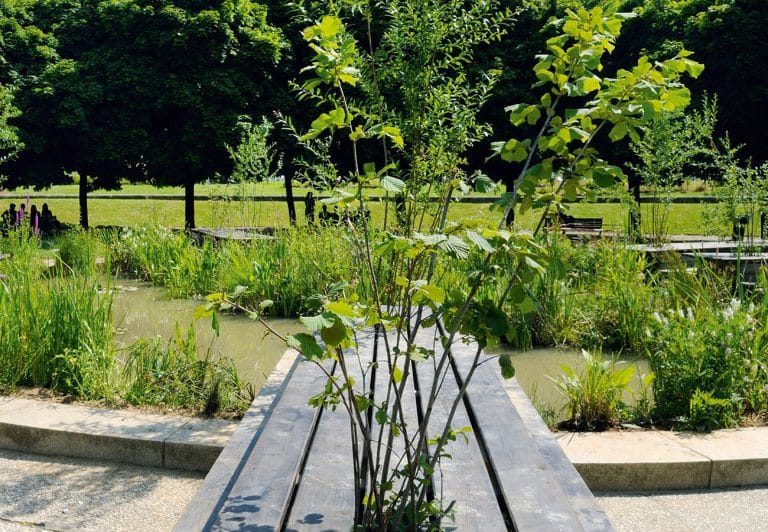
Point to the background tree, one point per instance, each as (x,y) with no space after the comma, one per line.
(728,37)
(9,142)
(145,90)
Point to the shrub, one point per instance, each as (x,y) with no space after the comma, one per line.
(56,333)
(704,349)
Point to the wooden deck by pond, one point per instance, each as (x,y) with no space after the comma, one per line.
(288,466)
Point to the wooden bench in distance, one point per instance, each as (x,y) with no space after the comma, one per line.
(288,466)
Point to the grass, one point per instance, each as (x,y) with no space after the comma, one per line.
(684,218)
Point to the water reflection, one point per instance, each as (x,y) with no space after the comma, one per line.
(144,311)
(533,369)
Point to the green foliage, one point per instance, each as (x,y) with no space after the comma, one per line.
(173,374)
(167,258)
(700,349)
(624,297)
(295,271)
(407,91)
(672,149)
(255,158)
(55,333)
(560,162)
(727,37)
(147,92)
(593,397)
(708,413)
(78,251)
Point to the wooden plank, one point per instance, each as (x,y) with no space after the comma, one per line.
(217,481)
(592,517)
(325,498)
(262,486)
(462,478)
(529,490)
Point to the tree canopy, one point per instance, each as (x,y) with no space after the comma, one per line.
(144,90)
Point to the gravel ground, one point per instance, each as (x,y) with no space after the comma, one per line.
(728,510)
(43,492)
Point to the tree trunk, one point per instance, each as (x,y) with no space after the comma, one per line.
(83,199)
(634,212)
(189,204)
(289,199)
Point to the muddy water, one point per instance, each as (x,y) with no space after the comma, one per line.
(144,311)
(533,369)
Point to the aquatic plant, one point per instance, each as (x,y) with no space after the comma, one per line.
(594,396)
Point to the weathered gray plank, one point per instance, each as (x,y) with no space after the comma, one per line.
(463,477)
(206,501)
(261,488)
(325,499)
(592,517)
(530,490)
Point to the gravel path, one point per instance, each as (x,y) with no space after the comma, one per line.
(724,510)
(43,492)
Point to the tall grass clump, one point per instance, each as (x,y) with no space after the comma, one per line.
(78,250)
(624,296)
(56,333)
(172,374)
(167,258)
(295,270)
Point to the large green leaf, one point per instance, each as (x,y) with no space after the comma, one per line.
(306,345)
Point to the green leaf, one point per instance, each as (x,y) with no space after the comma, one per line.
(362,402)
(454,246)
(527,305)
(306,345)
(341,308)
(329,26)
(337,117)
(618,131)
(513,151)
(507,369)
(392,184)
(480,242)
(393,134)
(483,183)
(678,98)
(397,375)
(319,322)
(517,294)
(516,113)
(215,324)
(204,311)
(433,293)
(381,416)
(335,334)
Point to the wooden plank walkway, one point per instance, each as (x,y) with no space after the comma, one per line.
(292,469)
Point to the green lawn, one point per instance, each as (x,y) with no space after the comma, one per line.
(683,218)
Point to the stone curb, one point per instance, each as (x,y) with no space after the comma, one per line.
(610,461)
(172,442)
(639,460)
(655,460)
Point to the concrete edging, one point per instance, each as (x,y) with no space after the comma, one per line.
(55,429)
(610,461)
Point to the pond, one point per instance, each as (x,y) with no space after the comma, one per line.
(144,311)
(533,369)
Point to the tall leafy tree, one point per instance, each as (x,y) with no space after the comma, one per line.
(148,90)
(728,37)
